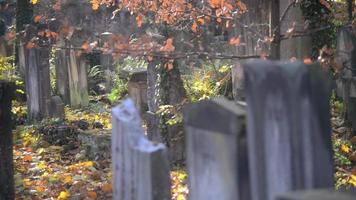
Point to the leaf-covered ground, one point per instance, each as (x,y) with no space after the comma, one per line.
(44,170)
(48,171)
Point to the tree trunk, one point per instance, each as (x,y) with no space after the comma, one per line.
(165,87)
(6,162)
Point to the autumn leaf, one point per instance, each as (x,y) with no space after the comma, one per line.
(235,41)
(106,188)
(92,195)
(168,47)
(64,195)
(307,61)
(215,3)
(95,4)
(242,6)
(325,3)
(168,66)
(27,158)
(139,20)
(34,2)
(86,47)
(67,179)
(345,148)
(194,27)
(37,18)
(353,180)
(40,189)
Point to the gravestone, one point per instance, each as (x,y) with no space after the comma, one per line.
(137,89)
(37,81)
(289,133)
(78,80)
(7,190)
(321,194)
(140,167)
(107,62)
(62,81)
(96,143)
(56,107)
(346,81)
(216,150)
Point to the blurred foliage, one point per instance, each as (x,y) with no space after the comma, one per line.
(8,72)
(209,81)
(119,90)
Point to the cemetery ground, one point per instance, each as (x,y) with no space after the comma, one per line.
(59,167)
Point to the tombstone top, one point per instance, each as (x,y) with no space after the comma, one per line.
(218,110)
(127,113)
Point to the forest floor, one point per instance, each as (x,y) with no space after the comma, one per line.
(45,168)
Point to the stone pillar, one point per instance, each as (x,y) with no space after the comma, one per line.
(37,83)
(78,80)
(289,132)
(216,150)
(62,80)
(140,167)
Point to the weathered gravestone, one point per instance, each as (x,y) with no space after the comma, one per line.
(289,134)
(78,80)
(140,167)
(56,107)
(216,150)
(346,81)
(37,82)
(320,194)
(62,80)
(137,89)
(6,162)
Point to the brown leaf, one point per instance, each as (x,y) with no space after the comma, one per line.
(235,41)
(325,3)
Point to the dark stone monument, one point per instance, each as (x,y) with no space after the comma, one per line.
(56,107)
(137,89)
(7,190)
(37,83)
(216,150)
(288,123)
(140,167)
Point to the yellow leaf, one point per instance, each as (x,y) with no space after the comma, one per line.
(353,180)
(345,148)
(34,2)
(67,179)
(64,195)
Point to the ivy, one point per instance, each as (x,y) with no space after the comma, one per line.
(318,16)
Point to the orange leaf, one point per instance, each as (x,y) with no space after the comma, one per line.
(168,66)
(27,158)
(242,6)
(325,3)
(194,27)
(307,61)
(95,4)
(169,45)
(139,20)
(40,189)
(107,188)
(30,45)
(86,46)
(37,18)
(235,41)
(92,195)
